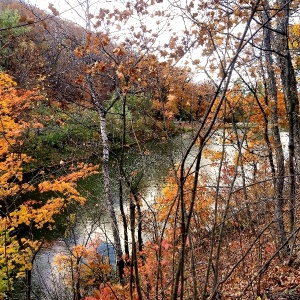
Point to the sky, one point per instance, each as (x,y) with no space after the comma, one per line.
(71,9)
(74,11)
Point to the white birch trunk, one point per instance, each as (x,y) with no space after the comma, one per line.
(105,168)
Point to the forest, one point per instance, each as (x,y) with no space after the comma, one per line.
(150,150)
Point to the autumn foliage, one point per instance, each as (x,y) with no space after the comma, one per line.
(19,211)
(224,222)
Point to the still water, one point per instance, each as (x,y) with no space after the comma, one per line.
(151,165)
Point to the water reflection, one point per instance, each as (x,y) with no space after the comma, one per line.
(153,163)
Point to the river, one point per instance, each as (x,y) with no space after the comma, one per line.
(91,222)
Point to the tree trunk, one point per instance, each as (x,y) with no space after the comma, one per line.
(289,86)
(105,154)
(121,163)
(107,184)
(272,93)
(105,169)
(126,246)
(134,259)
(28,284)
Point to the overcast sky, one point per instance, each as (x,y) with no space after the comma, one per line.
(73,10)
